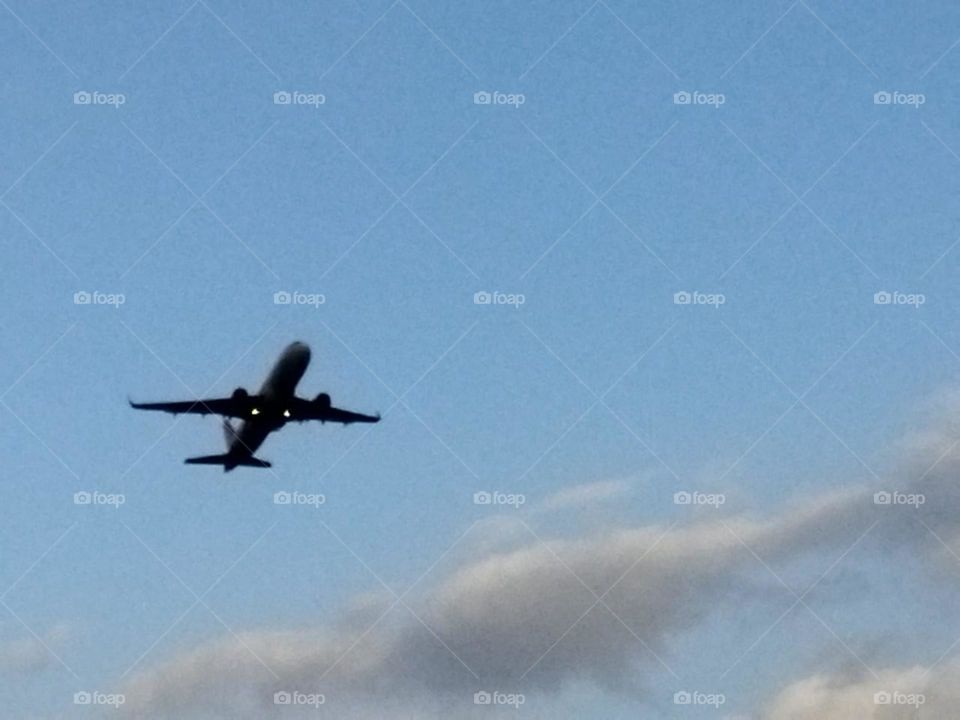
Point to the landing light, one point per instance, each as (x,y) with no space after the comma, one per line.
(254,411)
(286,413)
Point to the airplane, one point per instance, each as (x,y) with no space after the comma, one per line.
(270,409)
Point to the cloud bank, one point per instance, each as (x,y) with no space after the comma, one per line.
(600,609)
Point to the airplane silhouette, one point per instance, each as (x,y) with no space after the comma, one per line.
(273,407)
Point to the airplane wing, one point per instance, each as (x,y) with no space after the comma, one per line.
(312,410)
(228,407)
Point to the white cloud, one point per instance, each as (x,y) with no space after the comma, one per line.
(893,694)
(580,496)
(30,654)
(520,619)
(23,656)
(500,617)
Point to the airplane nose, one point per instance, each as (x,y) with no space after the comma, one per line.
(300,349)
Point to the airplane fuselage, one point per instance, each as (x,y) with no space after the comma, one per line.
(277,392)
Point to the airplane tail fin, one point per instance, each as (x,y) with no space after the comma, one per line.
(229,433)
(228,461)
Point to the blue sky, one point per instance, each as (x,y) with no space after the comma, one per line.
(783,198)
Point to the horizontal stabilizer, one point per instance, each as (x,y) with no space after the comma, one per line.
(228,461)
